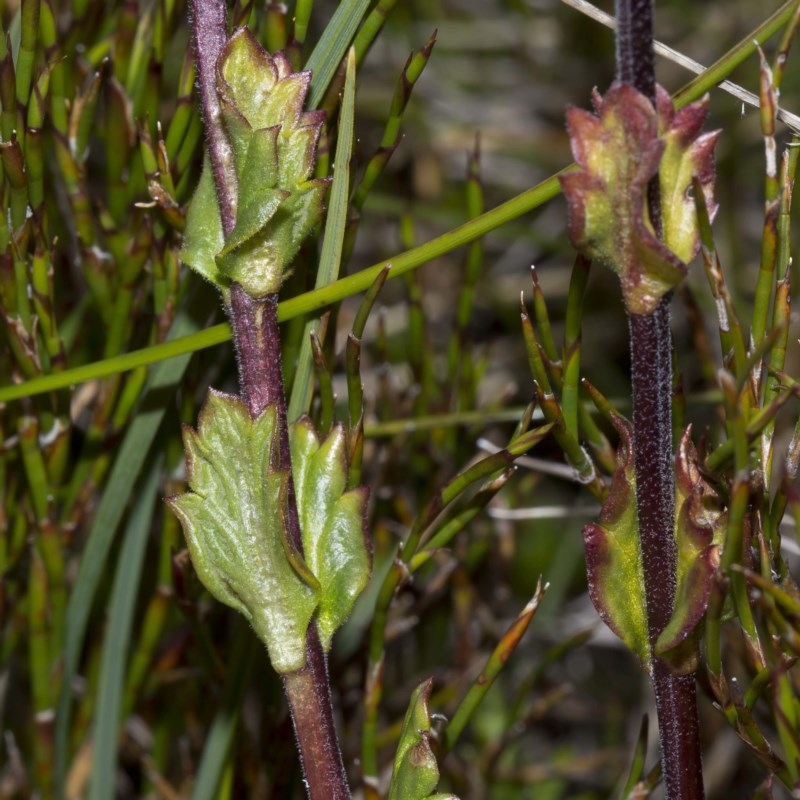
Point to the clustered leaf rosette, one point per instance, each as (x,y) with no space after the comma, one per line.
(618,150)
(273,145)
(614,560)
(235,516)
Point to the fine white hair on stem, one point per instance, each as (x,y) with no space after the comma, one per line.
(749,98)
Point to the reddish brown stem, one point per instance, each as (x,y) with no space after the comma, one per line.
(258,347)
(651,375)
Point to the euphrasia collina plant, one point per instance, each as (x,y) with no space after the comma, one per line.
(236,518)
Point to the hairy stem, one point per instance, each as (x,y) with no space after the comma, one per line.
(651,375)
(676,701)
(256,335)
(258,347)
(209,20)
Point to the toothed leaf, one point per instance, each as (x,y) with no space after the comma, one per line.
(618,151)
(688,153)
(699,526)
(332,521)
(614,558)
(203,237)
(233,520)
(273,143)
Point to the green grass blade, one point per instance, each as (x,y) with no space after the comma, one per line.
(723,67)
(115,650)
(302,304)
(332,46)
(130,458)
(220,734)
(502,652)
(335,226)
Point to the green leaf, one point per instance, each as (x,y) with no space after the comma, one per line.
(335,226)
(221,733)
(258,202)
(700,523)
(613,556)
(687,153)
(274,145)
(94,563)
(233,522)
(332,46)
(115,651)
(416,774)
(614,562)
(203,237)
(261,263)
(332,522)
(619,150)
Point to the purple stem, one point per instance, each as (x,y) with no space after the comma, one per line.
(209,20)
(256,335)
(651,376)
(258,347)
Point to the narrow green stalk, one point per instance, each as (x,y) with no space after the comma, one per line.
(765,283)
(41,664)
(495,663)
(372,27)
(455,523)
(579,459)
(29,35)
(737,55)
(296,306)
(355,389)
(330,259)
(570,398)
(411,73)
(460,363)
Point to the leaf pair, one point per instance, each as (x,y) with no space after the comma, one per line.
(614,561)
(619,150)
(273,143)
(234,520)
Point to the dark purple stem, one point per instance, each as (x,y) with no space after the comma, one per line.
(209,20)
(256,335)
(651,375)
(258,347)
(676,700)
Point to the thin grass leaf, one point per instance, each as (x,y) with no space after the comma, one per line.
(130,458)
(332,46)
(331,254)
(497,660)
(214,760)
(119,627)
(303,304)
(637,762)
(572,344)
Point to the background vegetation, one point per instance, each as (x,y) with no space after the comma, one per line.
(117,673)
